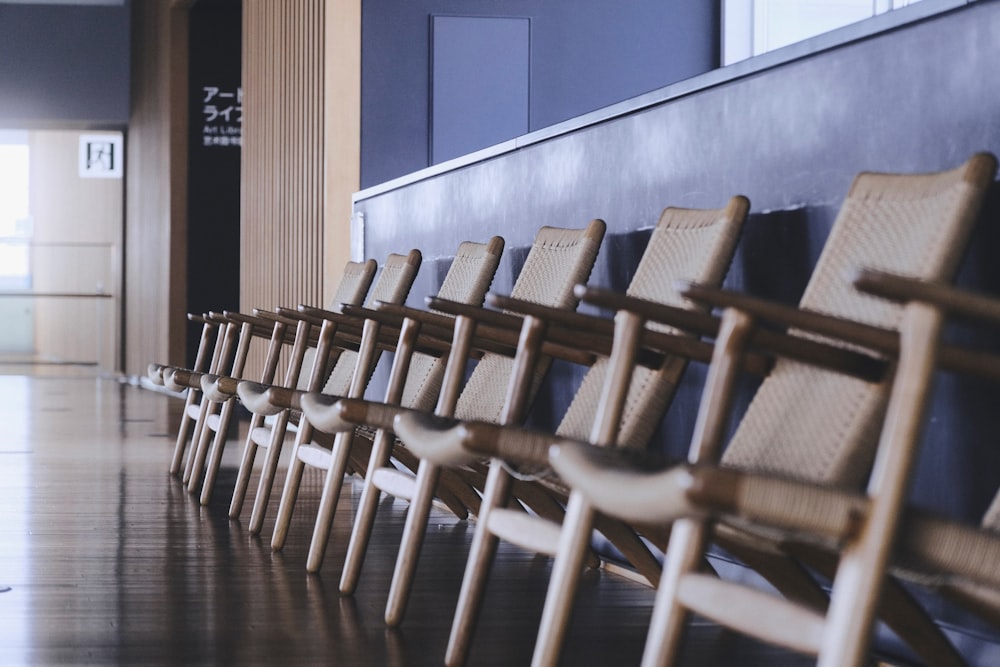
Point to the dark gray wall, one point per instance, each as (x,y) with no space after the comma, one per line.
(64,65)
(585,54)
(791,138)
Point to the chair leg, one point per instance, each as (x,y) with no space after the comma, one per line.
(477,569)
(684,555)
(412,540)
(574,543)
(364,518)
(182,433)
(196,463)
(245,470)
(215,453)
(627,541)
(290,492)
(269,470)
(328,501)
(204,410)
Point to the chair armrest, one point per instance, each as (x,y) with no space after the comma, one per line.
(950,299)
(883,341)
(200,319)
(621,483)
(771,343)
(875,338)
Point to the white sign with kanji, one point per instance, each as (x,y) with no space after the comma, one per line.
(101,155)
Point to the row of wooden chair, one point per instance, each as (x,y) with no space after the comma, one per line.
(810,482)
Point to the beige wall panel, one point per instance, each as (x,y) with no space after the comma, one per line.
(283,167)
(343,131)
(77,232)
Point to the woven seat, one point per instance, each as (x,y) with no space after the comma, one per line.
(686,243)
(806,427)
(557,260)
(234,335)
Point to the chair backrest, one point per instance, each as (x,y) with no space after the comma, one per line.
(467,280)
(687,244)
(392,286)
(558,260)
(354,284)
(818,425)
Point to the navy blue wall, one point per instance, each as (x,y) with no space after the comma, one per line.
(585,54)
(64,65)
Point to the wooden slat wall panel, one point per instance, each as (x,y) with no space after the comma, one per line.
(283,172)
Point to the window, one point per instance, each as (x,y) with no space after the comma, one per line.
(15,228)
(753,27)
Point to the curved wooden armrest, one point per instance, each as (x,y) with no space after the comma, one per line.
(625,491)
(333,414)
(493,318)
(875,338)
(632,487)
(218,388)
(680,318)
(883,341)
(789,504)
(437,439)
(950,299)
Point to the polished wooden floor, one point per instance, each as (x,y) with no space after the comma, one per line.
(105,559)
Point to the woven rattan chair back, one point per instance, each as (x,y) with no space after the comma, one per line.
(686,244)
(819,425)
(354,285)
(392,286)
(558,260)
(467,281)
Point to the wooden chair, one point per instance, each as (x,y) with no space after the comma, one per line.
(558,259)
(686,243)
(468,278)
(210,347)
(355,283)
(807,428)
(331,364)
(212,414)
(955,559)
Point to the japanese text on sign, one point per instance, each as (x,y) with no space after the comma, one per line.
(222,116)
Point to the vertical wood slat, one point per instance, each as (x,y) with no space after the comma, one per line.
(282,171)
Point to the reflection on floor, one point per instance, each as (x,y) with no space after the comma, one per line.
(109,561)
